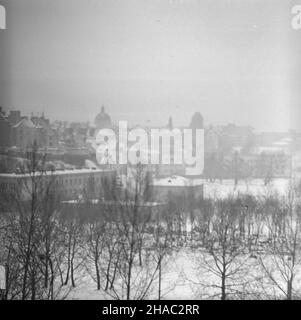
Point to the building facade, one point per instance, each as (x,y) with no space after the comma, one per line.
(72,184)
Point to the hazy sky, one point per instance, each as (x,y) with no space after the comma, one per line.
(233,61)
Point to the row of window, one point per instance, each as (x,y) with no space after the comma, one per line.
(76,181)
(70,181)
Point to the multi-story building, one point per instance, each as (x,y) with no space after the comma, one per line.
(71,183)
(14,116)
(24,131)
(5,130)
(24,134)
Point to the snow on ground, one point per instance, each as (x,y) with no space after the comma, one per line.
(176,273)
(181,272)
(183,277)
(255,187)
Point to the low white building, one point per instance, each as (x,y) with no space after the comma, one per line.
(177,186)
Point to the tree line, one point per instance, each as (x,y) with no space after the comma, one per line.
(241,247)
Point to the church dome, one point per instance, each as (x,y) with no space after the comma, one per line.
(197,121)
(103,120)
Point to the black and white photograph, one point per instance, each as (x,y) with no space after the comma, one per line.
(150,150)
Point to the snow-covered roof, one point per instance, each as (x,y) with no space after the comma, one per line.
(25,123)
(283,142)
(115,203)
(177,181)
(55,173)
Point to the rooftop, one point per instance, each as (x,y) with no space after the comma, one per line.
(177,181)
(24,123)
(55,173)
(115,203)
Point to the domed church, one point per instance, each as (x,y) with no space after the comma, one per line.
(103,120)
(197,121)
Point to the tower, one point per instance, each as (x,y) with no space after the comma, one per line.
(103,120)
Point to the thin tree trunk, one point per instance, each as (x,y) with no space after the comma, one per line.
(97,273)
(223,297)
(160,279)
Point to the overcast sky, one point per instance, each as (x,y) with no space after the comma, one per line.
(234,61)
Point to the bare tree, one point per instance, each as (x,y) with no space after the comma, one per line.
(281,261)
(163,244)
(96,233)
(71,222)
(131,269)
(223,259)
(30,234)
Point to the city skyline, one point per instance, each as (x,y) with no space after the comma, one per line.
(145,61)
(149,150)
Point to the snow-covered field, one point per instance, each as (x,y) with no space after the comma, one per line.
(255,187)
(184,277)
(179,276)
